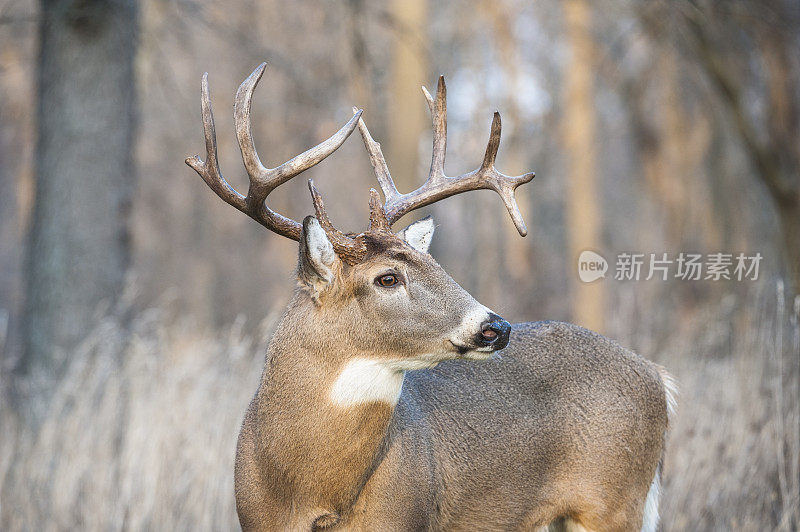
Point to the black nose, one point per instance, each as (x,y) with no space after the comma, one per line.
(494,332)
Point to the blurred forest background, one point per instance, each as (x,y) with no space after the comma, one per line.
(135,305)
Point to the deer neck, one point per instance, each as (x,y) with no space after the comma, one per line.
(324,411)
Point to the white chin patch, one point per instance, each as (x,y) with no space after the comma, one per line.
(484,353)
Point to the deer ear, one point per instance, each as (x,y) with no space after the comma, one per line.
(317,257)
(418,235)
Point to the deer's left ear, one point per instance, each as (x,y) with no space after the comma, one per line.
(317,258)
(418,235)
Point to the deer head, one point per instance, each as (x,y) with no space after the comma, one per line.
(378,293)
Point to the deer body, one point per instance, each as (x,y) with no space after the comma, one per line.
(392,400)
(489,445)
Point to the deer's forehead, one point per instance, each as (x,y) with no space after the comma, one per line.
(403,258)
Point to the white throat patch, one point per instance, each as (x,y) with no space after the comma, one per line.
(367,380)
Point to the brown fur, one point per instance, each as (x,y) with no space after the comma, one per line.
(564,423)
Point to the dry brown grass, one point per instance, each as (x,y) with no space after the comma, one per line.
(140,436)
(733,459)
(141,433)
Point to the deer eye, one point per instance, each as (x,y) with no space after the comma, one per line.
(387,280)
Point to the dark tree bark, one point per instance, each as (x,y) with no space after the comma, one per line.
(775,160)
(79,241)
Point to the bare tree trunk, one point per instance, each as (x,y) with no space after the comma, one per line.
(789,218)
(16,152)
(583,214)
(79,241)
(407,117)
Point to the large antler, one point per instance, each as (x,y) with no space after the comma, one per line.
(439,186)
(264,180)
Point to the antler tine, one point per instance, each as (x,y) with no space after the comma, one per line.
(377,216)
(502,184)
(209,170)
(494,142)
(438,109)
(350,250)
(262,180)
(439,186)
(378,162)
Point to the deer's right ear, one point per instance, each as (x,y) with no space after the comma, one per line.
(317,257)
(418,235)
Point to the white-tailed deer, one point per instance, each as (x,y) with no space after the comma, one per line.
(566,428)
